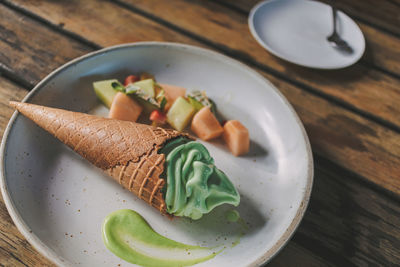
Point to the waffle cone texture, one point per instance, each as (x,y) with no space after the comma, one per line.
(127,151)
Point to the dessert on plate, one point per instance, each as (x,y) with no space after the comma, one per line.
(164,167)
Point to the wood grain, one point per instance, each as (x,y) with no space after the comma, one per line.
(366,89)
(358,147)
(295,255)
(347,139)
(8,92)
(242,5)
(348,223)
(39,53)
(101,22)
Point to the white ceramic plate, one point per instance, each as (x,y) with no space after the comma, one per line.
(296,31)
(58,200)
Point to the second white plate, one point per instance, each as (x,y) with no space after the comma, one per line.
(296,31)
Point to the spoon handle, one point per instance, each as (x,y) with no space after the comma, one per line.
(334,14)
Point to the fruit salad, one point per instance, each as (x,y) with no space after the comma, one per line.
(165,104)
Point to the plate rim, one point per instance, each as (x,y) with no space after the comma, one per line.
(57,259)
(256,36)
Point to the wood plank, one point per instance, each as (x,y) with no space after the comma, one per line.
(48,44)
(244,6)
(360,146)
(347,139)
(14,249)
(101,22)
(8,92)
(39,53)
(348,223)
(295,255)
(382,50)
(371,91)
(384,15)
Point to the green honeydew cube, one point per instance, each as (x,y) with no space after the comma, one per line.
(180,114)
(105,91)
(146,86)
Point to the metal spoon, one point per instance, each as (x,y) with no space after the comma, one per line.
(335,39)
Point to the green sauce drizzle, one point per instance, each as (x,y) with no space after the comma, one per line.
(130,237)
(195,186)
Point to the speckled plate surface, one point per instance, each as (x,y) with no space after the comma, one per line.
(58,200)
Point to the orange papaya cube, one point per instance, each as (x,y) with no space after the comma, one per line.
(236,136)
(124,107)
(172,92)
(205,125)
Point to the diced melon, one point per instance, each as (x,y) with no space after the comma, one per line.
(105,91)
(205,125)
(124,108)
(146,86)
(236,137)
(172,92)
(180,114)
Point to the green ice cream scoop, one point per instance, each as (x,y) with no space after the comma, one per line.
(195,186)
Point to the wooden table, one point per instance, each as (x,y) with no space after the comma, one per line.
(352,116)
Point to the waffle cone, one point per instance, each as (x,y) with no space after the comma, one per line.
(127,151)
